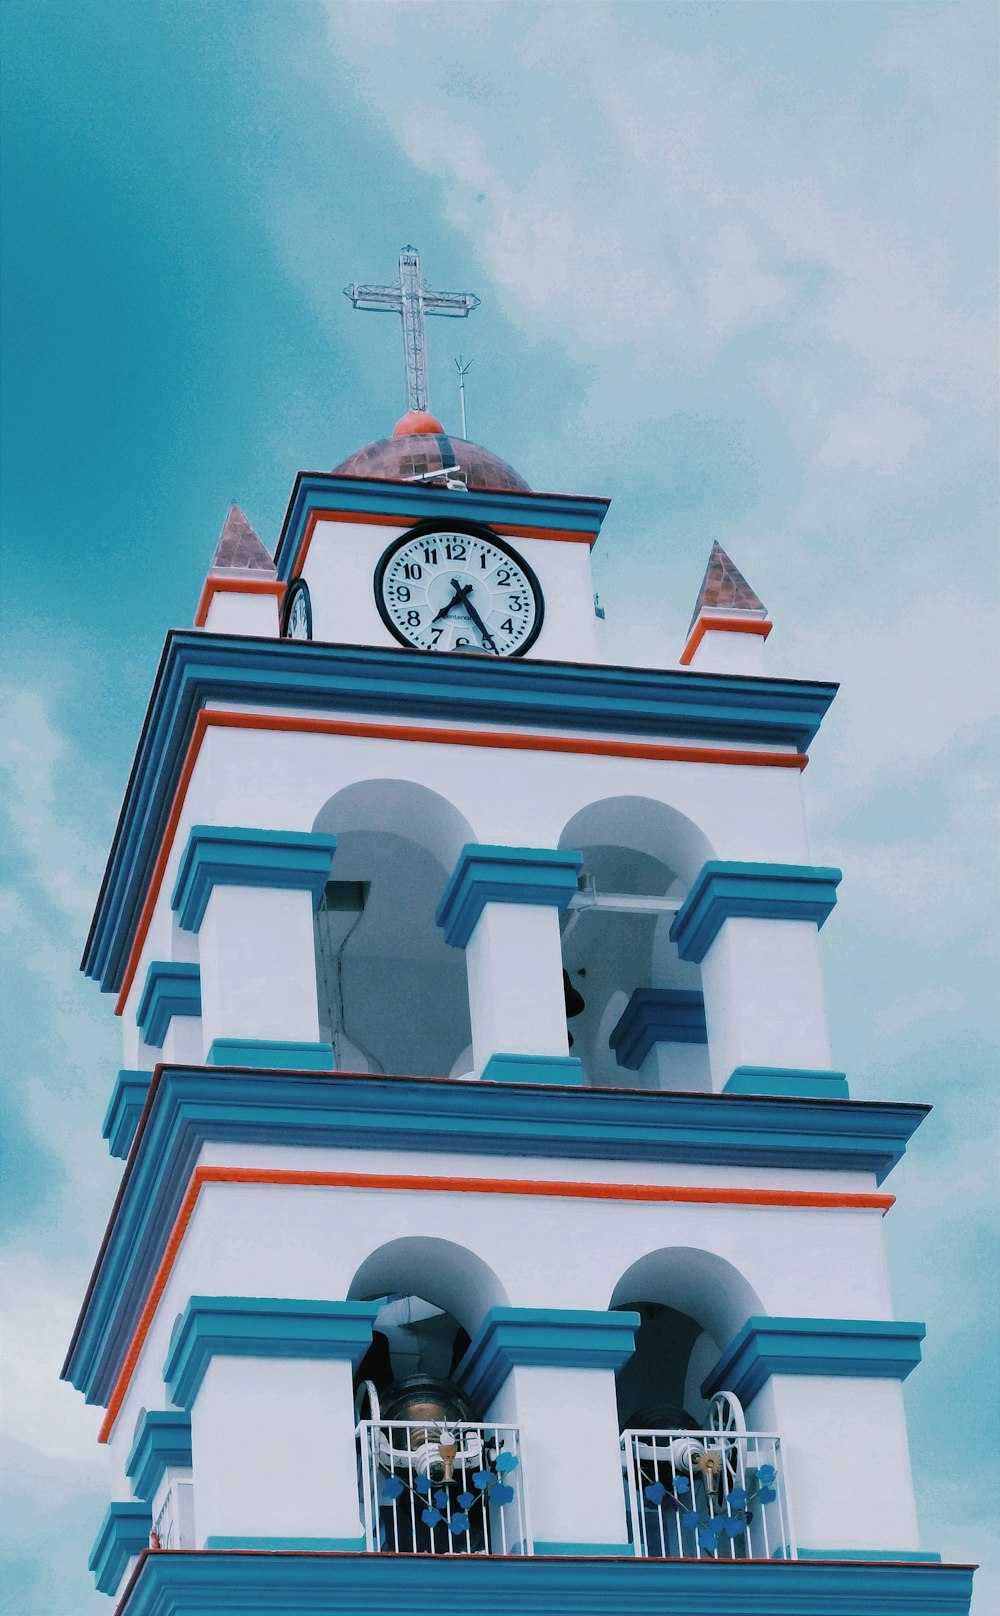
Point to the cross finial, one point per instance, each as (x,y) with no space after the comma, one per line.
(412,300)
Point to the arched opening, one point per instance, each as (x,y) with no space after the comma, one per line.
(436,1477)
(640,857)
(393,997)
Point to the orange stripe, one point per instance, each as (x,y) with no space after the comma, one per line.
(728,625)
(504,740)
(551,1187)
(372,519)
(234,586)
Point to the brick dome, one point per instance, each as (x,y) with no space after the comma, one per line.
(420,444)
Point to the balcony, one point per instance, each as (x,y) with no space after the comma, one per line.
(441,1488)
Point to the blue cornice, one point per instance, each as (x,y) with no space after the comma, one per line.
(549,1337)
(162,1438)
(658,1016)
(121,1119)
(198,668)
(262,1327)
(867,1348)
(172,988)
(484,874)
(235,856)
(796,1081)
(174,1583)
(409,503)
(190,1106)
(724,889)
(504,1068)
(271,1054)
(123,1532)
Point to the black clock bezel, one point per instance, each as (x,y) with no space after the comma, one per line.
(475,530)
(297,587)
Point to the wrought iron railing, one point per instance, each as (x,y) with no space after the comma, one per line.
(442,1488)
(173,1527)
(712,1494)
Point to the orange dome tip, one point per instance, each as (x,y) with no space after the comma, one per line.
(416,421)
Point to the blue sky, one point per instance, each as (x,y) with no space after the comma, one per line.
(737,268)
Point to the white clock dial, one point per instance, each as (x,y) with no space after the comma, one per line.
(451,590)
(298,613)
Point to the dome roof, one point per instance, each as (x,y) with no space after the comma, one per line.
(420,445)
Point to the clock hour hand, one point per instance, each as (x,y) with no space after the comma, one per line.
(457,599)
(488,639)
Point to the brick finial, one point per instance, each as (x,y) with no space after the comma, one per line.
(239,547)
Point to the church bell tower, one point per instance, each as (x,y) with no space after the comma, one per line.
(495,1230)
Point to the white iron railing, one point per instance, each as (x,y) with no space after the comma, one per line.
(442,1488)
(713,1494)
(173,1527)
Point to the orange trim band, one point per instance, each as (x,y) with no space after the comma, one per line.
(374,519)
(728,625)
(234,586)
(503,740)
(552,1187)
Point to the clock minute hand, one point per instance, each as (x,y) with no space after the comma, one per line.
(488,639)
(457,599)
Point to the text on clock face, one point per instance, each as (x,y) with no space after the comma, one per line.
(457,591)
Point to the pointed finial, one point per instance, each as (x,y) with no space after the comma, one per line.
(726,604)
(239,547)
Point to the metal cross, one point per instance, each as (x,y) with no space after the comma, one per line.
(411,299)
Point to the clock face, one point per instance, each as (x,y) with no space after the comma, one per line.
(458,589)
(297,616)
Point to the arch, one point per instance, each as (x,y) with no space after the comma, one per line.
(399,808)
(440,1271)
(645,826)
(699,1283)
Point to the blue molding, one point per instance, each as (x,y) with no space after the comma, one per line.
(794,1081)
(162,1438)
(295,1545)
(549,1337)
(483,874)
(234,856)
(865,1348)
(724,889)
(272,1055)
(172,988)
(409,503)
(128,1096)
(123,1532)
(906,1556)
(197,668)
(564,1070)
(576,1551)
(175,1583)
(192,1106)
(658,1016)
(262,1327)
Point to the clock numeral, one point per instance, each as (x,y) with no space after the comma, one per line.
(515,603)
(503,576)
(484,561)
(402,594)
(436,634)
(455,552)
(413,570)
(507,627)
(459,642)
(413,619)
(430,555)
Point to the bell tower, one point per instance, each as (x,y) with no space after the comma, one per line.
(495,1229)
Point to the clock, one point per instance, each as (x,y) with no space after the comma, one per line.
(297,617)
(456,587)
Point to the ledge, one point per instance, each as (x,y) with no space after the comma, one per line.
(883,1349)
(163,1438)
(262,1327)
(726,889)
(123,1532)
(190,1106)
(234,856)
(564,1070)
(545,1337)
(124,1110)
(658,1016)
(172,988)
(795,1082)
(272,1055)
(170,1583)
(483,874)
(198,669)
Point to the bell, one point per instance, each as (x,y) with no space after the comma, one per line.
(434,1445)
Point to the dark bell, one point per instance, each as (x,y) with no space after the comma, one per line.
(425,1397)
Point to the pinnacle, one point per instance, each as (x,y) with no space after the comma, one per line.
(239,547)
(724,588)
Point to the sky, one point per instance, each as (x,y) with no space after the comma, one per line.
(737,264)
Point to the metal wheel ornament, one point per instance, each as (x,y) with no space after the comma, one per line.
(726,1416)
